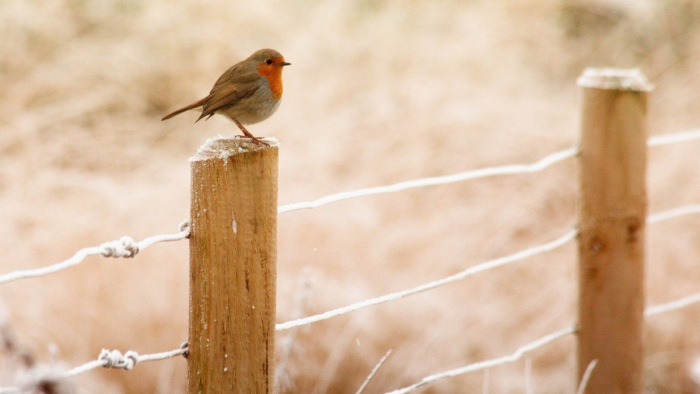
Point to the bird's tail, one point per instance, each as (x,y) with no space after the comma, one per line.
(196,104)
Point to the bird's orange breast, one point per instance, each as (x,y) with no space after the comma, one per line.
(273,74)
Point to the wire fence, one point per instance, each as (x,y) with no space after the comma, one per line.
(126,247)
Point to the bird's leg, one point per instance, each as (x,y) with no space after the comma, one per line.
(248,134)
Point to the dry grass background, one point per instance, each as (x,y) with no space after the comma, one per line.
(378,92)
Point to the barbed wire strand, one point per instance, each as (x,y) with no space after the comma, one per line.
(517,354)
(674,213)
(114,359)
(513,169)
(127,361)
(673,305)
(667,139)
(438,180)
(107,359)
(649,311)
(125,247)
(523,254)
(655,218)
(683,302)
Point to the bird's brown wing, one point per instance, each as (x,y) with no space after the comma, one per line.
(232,86)
(225,95)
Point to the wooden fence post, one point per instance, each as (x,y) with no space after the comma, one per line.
(233,261)
(612,216)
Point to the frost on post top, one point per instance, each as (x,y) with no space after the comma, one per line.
(615,79)
(224,147)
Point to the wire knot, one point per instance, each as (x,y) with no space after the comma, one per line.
(125,247)
(185,226)
(185,347)
(114,359)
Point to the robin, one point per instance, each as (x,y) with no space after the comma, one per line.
(248,92)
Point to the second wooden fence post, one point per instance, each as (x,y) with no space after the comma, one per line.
(233,261)
(612,216)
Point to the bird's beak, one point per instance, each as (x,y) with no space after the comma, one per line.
(286,64)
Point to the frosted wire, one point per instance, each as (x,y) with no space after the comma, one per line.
(667,139)
(545,340)
(438,180)
(80,255)
(97,364)
(562,240)
(540,165)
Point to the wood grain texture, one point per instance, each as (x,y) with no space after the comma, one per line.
(612,217)
(233,267)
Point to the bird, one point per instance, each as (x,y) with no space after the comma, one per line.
(248,92)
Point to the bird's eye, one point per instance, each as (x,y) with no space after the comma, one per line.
(268,61)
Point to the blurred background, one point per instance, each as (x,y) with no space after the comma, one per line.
(378,92)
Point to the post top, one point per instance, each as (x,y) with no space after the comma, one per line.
(615,79)
(224,147)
